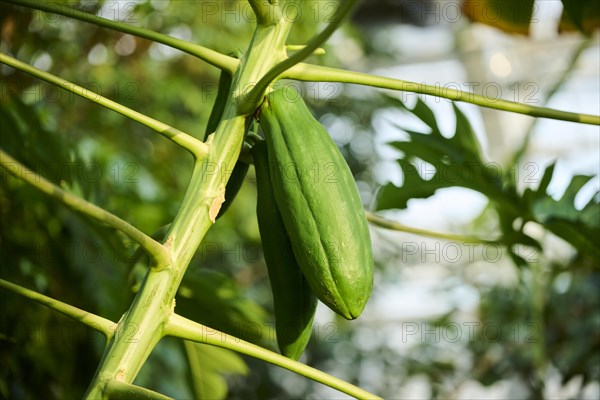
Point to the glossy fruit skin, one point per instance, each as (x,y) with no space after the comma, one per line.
(319,203)
(294,302)
(238,175)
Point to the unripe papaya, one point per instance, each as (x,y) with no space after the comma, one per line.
(294,302)
(319,204)
(238,175)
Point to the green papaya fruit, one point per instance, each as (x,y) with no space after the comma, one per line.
(319,204)
(294,302)
(238,175)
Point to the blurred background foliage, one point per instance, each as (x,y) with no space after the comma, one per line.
(447,319)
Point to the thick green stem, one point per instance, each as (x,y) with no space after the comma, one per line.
(186,329)
(267,12)
(138,332)
(205,192)
(309,72)
(343,11)
(267,40)
(188,142)
(144,324)
(212,57)
(96,322)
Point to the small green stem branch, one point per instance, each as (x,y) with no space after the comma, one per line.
(309,72)
(102,325)
(387,224)
(188,142)
(120,390)
(186,329)
(296,47)
(268,39)
(156,250)
(266,12)
(210,56)
(343,11)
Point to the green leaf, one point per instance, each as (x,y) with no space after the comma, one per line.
(513,16)
(213,299)
(546,179)
(590,214)
(413,187)
(583,15)
(457,160)
(547,208)
(580,228)
(40,149)
(208,365)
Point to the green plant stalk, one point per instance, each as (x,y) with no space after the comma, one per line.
(392,225)
(186,329)
(210,176)
(138,331)
(188,142)
(18,170)
(268,39)
(310,72)
(102,325)
(296,47)
(120,390)
(143,325)
(267,12)
(343,11)
(196,368)
(210,56)
(540,278)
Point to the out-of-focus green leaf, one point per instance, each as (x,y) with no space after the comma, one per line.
(568,332)
(513,16)
(578,227)
(583,15)
(546,208)
(38,148)
(213,299)
(208,365)
(457,161)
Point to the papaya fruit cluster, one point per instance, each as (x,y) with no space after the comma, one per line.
(315,235)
